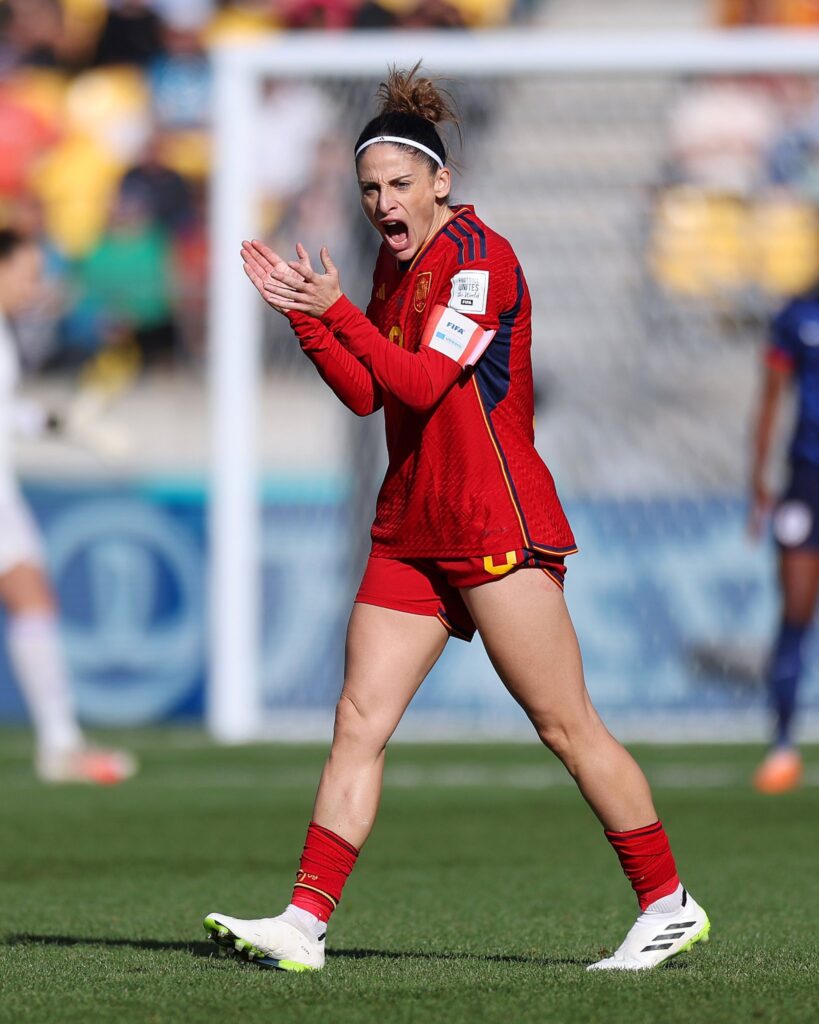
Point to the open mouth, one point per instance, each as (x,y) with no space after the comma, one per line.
(396,234)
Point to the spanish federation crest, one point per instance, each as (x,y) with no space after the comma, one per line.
(422,285)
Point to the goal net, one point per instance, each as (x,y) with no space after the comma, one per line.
(661,194)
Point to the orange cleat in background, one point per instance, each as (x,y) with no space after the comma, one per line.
(780,772)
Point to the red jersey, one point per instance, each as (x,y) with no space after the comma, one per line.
(450,360)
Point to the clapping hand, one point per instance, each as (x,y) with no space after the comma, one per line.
(260,262)
(296,286)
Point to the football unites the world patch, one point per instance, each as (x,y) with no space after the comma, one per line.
(456,336)
(469,291)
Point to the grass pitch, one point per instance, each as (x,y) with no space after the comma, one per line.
(485,890)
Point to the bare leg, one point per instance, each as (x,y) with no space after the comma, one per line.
(389,654)
(799,580)
(38,661)
(529,636)
(24,590)
(36,655)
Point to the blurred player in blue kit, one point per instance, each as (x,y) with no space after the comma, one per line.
(791,362)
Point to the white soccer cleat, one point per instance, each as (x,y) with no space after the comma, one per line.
(656,937)
(268,941)
(86,765)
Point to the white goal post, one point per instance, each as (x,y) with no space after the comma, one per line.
(233,701)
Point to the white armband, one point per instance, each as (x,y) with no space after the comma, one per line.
(456,336)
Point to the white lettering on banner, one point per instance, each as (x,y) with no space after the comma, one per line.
(469,291)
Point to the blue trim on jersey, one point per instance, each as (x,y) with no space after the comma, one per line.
(507,473)
(459,242)
(479,231)
(467,235)
(492,372)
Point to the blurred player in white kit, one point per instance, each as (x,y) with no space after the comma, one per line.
(32,628)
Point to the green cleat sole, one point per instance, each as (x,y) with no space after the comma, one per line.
(291,965)
(701,936)
(228,942)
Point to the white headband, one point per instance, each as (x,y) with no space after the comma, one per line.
(401,142)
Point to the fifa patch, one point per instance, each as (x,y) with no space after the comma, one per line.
(421,293)
(456,336)
(469,291)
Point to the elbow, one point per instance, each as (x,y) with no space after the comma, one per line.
(424,403)
(364,408)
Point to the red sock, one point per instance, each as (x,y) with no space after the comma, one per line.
(326,862)
(647,861)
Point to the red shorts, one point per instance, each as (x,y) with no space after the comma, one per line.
(431,586)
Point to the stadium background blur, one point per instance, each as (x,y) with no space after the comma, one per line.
(659,218)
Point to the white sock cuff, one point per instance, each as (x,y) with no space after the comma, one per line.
(667,904)
(313,925)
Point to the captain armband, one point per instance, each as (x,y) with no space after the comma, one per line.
(455,336)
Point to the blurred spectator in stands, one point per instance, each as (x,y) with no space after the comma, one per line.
(317,212)
(158,189)
(38,324)
(180,78)
(189,16)
(319,14)
(241,19)
(128,282)
(132,34)
(31,33)
(106,122)
(416,14)
(793,160)
(434,14)
(719,131)
(373,14)
(294,119)
(25,135)
(190,262)
(484,13)
(175,204)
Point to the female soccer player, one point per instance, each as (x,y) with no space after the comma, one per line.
(32,634)
(468,534)
(792,358)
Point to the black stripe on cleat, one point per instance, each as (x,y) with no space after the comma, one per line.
(680,924)
(657,945)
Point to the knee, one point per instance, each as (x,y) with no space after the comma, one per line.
(568,738)
(555,736)
(356,727)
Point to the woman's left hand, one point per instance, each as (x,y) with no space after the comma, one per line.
(313,293)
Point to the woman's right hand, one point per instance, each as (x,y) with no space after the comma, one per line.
(259,262)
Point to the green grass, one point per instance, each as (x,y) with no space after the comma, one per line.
(485,890)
